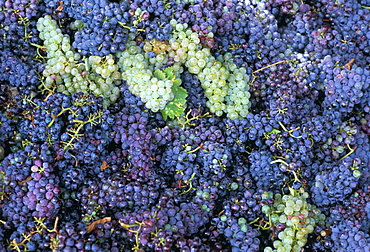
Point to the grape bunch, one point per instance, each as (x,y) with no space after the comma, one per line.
(33,187)
(223,82)
(18,74)
(100,27)
(352,232)
(66,72)
(18,27)
(293,219)
(154,92)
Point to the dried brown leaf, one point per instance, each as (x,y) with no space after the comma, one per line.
(104,166)
(24,181)
(92,226)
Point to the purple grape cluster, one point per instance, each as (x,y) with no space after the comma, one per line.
(32,185)
(136,140)
(100,30)
(18,26)
(349,223)
(18,74)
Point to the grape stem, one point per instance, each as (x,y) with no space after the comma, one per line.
(40,227)
(290,131)
(348,65)
(127,27)
(296,179)
(38,46)
(136,232)
(189,182)
(350,151)
(279,161)
(279,62)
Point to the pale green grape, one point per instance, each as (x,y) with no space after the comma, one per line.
(288,210)
(299,235)
(302,242)
(289,231)
(277,244)
(58,79)
(289,203)
(288,247)
(295,220)
(281,235)
(283,218)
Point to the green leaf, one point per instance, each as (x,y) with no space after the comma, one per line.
(176,82)
(177,106)
(169,73)
(159,74)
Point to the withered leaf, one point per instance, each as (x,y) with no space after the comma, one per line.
(24,181)
(92,226)
(104,166)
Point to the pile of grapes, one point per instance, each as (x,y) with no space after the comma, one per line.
(185,125)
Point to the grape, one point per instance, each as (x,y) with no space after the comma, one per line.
(298,226)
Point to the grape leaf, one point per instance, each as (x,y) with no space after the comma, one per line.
(176,83)
(159,74)
(169,73)
(177,106)
(92,226)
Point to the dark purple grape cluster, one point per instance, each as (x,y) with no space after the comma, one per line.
(2,229)
(252,130)
(266,174)
(151,18)
(18,74)
(130,131)
(100,27)
(170,224)
(349,223)
(299,31)
(9,138)
(365,124)
(289,7)
(32,185)
(344,88)
(18,26)
(195,151)
(335,183)
(242,237)
(196,100)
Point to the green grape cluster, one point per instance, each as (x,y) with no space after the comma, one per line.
(138,71)
(66,71)
(103,77)
(237,98)
(226,85)
(61,67)
(298,217)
